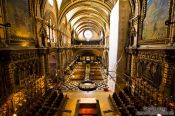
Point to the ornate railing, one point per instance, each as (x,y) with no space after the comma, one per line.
(89,46)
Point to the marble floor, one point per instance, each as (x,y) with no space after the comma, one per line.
(100,95)
(72,85)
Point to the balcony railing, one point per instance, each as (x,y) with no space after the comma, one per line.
(86,46)
(89,46)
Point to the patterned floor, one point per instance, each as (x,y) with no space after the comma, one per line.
(72,85)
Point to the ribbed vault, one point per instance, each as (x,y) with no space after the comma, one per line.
(86,15)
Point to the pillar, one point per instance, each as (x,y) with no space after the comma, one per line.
(133,66)
(9,76)
(172,26)
(42,65)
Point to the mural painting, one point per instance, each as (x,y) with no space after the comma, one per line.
(19,18)
(154,24)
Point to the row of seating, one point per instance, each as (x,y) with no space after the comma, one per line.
(46,105)
(126,103)
(95,73)
(95,68)
(120,105)
(136,100)
(79,72)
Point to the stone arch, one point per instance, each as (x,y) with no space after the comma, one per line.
(135,6)
(50,15)
(50,25)
(43,6)
(78,3)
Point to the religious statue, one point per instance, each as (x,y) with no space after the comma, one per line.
(43,36)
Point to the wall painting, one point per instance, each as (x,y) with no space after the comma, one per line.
(154,24)
(19,18)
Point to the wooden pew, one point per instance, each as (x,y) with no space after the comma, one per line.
(121,108)
(61,108)
(113,104)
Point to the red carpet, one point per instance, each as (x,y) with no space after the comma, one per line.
(87,111)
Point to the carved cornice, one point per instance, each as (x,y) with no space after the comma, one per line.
(42,51)
(158,55)
(154,41)
(8,55)
(52,50)
(153,55)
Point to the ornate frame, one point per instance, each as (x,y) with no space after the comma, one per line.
(142,18)
(16,40)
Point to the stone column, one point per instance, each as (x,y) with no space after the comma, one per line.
(134,31)
(133,70)
(63,59)
(104,58)
(9,75)
(133,66)
(47,70)
(172,89)
(107,59)
(37,31)
(172,26)
(168,73)
(42,71)
(62,65)
(38,24)
(166,79)
(42,65)
(59,65)
(47,64)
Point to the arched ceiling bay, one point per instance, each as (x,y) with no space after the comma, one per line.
(92,27)
(86,14)
(90,14)
(89,21)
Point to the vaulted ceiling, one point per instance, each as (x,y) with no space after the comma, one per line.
(83,15)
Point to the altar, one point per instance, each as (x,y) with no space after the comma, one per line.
(87,106)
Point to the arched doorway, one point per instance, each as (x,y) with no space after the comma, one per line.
(53,64)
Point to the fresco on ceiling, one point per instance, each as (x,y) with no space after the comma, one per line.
(154,24)
(19,18)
